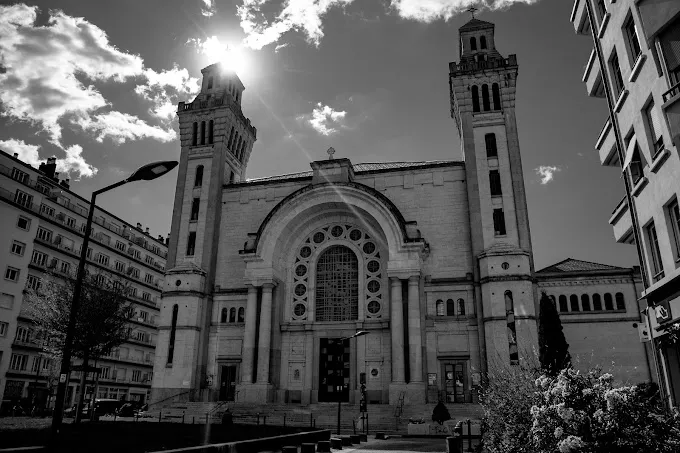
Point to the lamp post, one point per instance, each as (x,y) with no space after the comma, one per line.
(145,173)
(358,334)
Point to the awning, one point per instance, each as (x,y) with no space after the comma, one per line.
(629,153)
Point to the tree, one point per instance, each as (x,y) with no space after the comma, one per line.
(101,322)
(440,413)
(553,349)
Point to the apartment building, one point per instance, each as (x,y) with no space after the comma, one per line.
(635,66)
(42,223)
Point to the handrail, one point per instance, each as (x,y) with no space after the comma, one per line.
(674,91)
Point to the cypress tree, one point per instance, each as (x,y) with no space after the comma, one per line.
(553,348)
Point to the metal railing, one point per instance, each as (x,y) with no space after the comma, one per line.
(674,91)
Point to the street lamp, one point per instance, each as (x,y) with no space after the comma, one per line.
(145,173)
(358,334)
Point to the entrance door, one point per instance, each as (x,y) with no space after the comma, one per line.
(454,382)
(228,383)
(334,370)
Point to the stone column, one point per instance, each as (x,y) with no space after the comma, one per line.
(249,336)
(414,335)
(264,345)
(397,330)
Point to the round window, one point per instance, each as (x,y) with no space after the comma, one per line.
(336,231)
(374,372)
(373,266)
(373,286)
(305,252)
(318,237)
(355,235)
(301,270)
(178,282)
(373,307)
(300,289)
(505,266)
(299,310)
(369,248)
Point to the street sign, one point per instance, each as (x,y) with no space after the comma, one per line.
(62,378)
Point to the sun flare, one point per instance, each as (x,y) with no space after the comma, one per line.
(232,57)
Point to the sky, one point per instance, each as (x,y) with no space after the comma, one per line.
(96,84)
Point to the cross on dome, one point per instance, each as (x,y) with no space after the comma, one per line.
(472,10)
(330,152)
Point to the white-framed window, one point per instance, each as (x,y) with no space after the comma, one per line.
(106,371)
(6,301)
(148,259)
(4,328)
(144,315)
(65,267)
(89,253)
(18,248)
(33,282)
(617,78)
(70,222)
(23,199)
(133,291)
(47,210)
(674,217)
(103,259)
(632,39)
(23,223)
(44,234)
(39,258)
(136,376)
(35,366)
(120,267)
(19,175)
(18,362)
(148,278)
(137,254)
(23,334)
(146,296)
(133,272)
(654,253)
(120,246)
(653,118)
(100,279)
(12,273)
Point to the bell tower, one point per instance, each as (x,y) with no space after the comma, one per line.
(216,141)
(482,87)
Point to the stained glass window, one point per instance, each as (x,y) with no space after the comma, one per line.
(337,285)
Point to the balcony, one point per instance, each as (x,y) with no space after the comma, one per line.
(622,224)
(671,108)
(592,76)
(579,18)
(606,146)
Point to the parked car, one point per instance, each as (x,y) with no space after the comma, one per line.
(102,406)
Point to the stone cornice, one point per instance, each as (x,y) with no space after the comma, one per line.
(587,281)
(171,293)
(507,278)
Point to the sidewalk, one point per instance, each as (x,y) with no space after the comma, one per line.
(399,444)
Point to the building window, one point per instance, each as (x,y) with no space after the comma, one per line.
(654,123)
(103,259)
(194,134)
(202,132)
(65,268)
(24,223)
(337,285)
(496,95)
(224,315)
(146,296)
(44,234)
(12,273)
(585,302)
(655,253)
(210,132)
(485,98)
(232,315)
(198,179)
(495,183)
(668,41)
(512,334)
(450,308)
(241,315)
(173,329)
(23,199)
(70,222)
(46,210)
(563,303)
(120,246)
(633,39)
(210,82)
(597,302)
(601,9)
(19,175)
(33,282)
(439,307)
(148,278)
(18,362)
(191,244)
(482,42)
(4,327)
(461,307)
(39,258)
(573,302)
(617,78)
(6,301)
(231,138)
(475,98)
(194,208)
(18,248)
(608,302)
(620,302)
(674,214)
(637,164)
(473,43)
(491,150)
(498,222)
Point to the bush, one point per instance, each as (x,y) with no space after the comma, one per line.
(440,413)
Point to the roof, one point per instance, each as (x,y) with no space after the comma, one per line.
(476,24)
(572,265)
(361,168)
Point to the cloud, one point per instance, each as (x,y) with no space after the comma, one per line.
(121,127)
(306,16)
(324,119)
(164,89)
(546,172)
(72,163)
(208,8)
(280,46)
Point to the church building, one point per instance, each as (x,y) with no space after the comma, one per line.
(269,280)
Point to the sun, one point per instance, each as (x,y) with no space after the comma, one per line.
(232,57)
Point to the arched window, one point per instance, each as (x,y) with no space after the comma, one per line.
(439,306)
(337,285)
(485,98)
(173,331)
(563,303)
(475,98)
(210,132)
(231,138)
(491,150)
(202,132)
(210,82)
(238,145)
(198,179)
(512,333)
(473,43)
(450,308)
(585,302)
(496,94)
(482,42)
(194,135)
(243,150)
(608,302)
(223,316)
(597,302)
(573,301)
(620,304)
(241,314)
(232,315)
(461,307)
